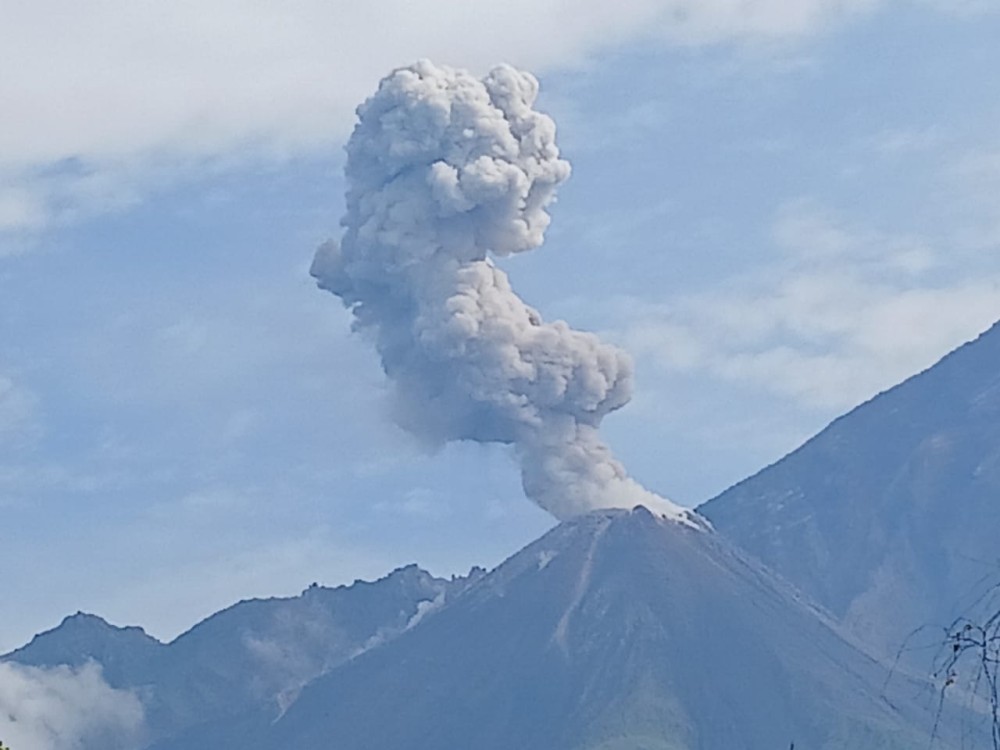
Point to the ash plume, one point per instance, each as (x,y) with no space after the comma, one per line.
(446,171)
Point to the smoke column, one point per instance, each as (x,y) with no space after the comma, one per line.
(445,170)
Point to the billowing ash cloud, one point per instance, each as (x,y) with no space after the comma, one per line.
(444,172)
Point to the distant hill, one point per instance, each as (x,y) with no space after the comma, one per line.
(249,659)
(890,517)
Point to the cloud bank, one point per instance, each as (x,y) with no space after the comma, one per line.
(109,99)
(841,313)
(444,171)
(65,709)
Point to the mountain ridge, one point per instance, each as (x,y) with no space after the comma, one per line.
(641,634)
(888,517)
(248,658)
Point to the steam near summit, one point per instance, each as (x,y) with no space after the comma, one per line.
(446,171)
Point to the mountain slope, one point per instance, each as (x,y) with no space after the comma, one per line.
(617,631)
(249,659)
(890,516)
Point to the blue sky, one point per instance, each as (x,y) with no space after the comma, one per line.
(778,207)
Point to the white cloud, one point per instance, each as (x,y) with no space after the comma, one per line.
(100,96)
(811,237)
(20,208)
(106,100)
(844,313)
(35,198)
(62,708)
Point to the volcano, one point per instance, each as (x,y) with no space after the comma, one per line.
(619,630)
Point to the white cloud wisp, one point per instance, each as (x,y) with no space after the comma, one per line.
(841,315)
(65,709)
